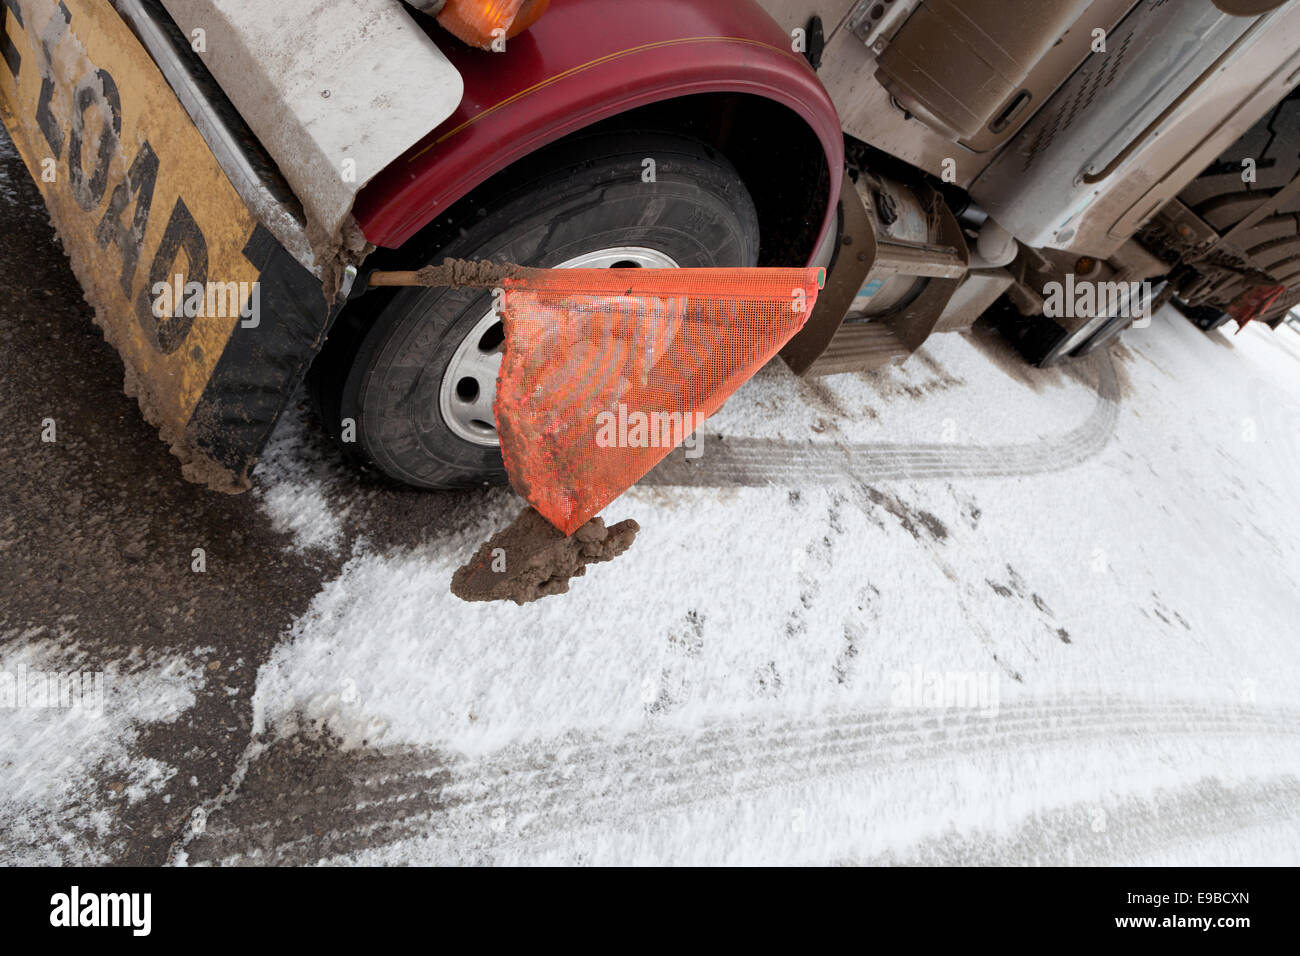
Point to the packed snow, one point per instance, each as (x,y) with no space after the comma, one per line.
(1079,663)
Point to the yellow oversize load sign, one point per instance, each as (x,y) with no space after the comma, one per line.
(166,251)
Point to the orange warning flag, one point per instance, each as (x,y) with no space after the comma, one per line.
(1253,303)
(607,370)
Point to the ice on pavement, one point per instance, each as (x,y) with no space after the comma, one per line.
(949,669)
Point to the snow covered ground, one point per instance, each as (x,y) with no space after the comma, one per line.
(958,612)
(955,612)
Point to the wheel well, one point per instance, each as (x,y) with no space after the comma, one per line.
(776,154)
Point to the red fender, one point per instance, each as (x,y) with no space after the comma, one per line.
(583,61)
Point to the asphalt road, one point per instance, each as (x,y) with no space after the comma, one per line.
(98,529)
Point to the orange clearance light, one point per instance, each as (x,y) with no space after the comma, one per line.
(482,23)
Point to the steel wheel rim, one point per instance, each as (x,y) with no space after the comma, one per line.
(469,384)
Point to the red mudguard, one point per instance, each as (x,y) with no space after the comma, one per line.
(583,61)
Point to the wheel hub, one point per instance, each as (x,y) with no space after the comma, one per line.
(469,386)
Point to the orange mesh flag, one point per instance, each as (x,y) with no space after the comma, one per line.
(1253,303)
(607,370)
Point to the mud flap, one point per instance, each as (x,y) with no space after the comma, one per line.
(260,367)
(214,321)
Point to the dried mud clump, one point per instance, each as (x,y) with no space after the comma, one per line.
(532,558)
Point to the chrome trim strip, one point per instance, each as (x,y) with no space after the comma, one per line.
(266,194)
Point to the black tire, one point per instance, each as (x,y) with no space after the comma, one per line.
(1113,330)
(1034,336)
(1205,317)
(384,361)
(1224,201)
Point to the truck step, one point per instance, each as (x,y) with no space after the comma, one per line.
(860,346)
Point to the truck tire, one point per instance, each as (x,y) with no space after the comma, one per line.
(1035,337)
(1111,332)
(414,369)
(1221,198)
(1205,317)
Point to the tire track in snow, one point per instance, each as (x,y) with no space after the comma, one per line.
(732,461)
(538,794)
(1126,833)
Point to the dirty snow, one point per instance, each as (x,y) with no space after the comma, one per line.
(62,763)
(292,494)
(756,681)
(925,400)
(955,612)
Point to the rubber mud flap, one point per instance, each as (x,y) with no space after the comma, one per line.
(260,367)
(214,322)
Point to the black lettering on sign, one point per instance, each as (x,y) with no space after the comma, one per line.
(182,234)
(7,48)
(138,182)
(54,32)
(93,89)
